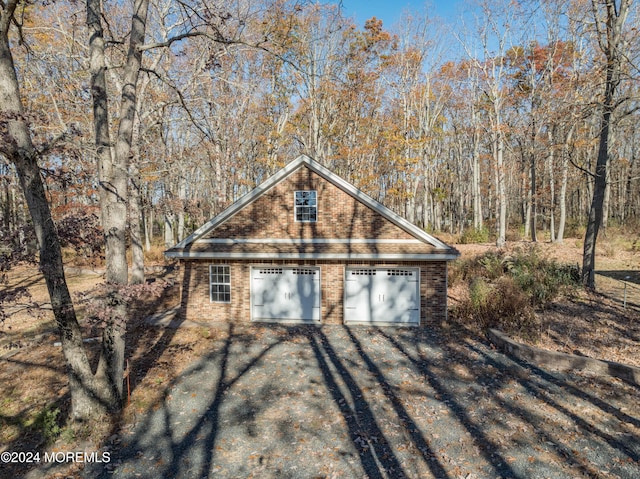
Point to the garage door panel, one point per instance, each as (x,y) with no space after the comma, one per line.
(286,294)
(382,295)
(359,285)
(265,285)
(403,291)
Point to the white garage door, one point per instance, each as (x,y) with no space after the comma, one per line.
(382,295)
(285,293)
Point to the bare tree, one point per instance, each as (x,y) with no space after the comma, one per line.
(609,18)
(17,145)
(495,31)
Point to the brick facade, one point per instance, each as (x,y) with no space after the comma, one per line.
(351,230)
(197,306)
(340,215)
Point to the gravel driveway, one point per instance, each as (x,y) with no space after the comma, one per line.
(337,402)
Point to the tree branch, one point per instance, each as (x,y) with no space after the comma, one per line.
(172,40)
(181,97)
(584,170)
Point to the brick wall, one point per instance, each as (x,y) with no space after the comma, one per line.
(339,214)
(433,291)
(196,304)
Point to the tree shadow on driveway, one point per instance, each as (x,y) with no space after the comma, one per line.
(335,401)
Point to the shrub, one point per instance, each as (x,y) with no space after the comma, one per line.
(488,265)
(479,292)
(502,305)
(474,235)
(47,423)
(574,228)
(514,234)
(540,278)
(505,290)
(491,265)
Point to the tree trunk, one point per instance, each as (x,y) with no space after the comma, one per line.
(169,239)
(534,190)
(113,178)
(595,212)
(110,196)
(501,191)
(628,191)
(19,149)
(182,198)
(148,228)
(476,191)
(552,186)
(562,200)
(615,19)
(135,228)
(526,201)
(605,207)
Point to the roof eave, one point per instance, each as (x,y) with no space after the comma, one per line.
(443,256)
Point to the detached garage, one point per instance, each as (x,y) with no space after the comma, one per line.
(308,247)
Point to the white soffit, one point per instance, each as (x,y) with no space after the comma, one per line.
(302,241)
(314,256)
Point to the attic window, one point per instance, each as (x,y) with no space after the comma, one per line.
(306,206)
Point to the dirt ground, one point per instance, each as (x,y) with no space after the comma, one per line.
(33,382)
(271,401)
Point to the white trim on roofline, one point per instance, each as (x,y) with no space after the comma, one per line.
(319,256)
(327,175)
(303,241)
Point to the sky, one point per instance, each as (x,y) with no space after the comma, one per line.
(390,11)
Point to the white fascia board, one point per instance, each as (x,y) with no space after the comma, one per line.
(319,256)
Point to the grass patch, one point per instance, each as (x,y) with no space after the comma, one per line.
(44,422)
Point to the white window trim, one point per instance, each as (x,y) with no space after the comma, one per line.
(211,283)
(295,206)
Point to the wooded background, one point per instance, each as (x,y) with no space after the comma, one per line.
(450,126)
(121,121)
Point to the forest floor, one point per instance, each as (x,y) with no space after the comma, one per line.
(34,395)
(603,325)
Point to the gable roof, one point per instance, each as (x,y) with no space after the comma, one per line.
(311,249)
